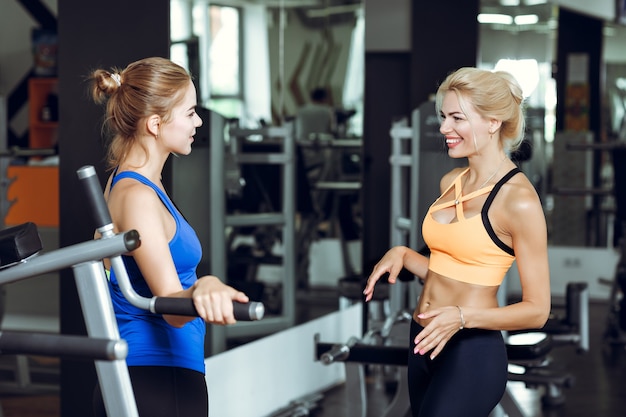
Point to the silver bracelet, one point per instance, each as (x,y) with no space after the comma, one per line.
(462,318)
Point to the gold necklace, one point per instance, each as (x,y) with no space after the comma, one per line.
(493,175)
(456,201)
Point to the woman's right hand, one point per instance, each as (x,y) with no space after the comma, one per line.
(214,300)
(392,263)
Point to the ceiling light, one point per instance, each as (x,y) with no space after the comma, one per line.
(509,2)
(534,2)
(526,19)
(502,19)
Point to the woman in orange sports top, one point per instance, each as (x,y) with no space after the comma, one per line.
(487,216)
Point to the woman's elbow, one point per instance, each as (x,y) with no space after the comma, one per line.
(176,321)
(541,321)
(540,318)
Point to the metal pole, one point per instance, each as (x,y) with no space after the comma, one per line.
(117,391)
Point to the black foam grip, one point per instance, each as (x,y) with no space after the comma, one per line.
(174,305)
(132,240)
(65,346)
(184,307)
(89,180)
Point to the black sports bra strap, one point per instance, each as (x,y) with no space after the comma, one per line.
(497,187)
(486,206)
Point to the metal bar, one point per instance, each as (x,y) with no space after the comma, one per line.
(400,405)
(582,191)
(401,132)
(269,132)
(338,185)
(334,143)
(401,160)
(59,345)
(216,335)
(4,125)
(69,256)
(414,179)
(267,326)
(356,390)
(379,355)
(93,291)
(257,219)
(262,158)
(403,223)
(289,230)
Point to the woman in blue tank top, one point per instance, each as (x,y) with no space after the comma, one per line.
(150,113)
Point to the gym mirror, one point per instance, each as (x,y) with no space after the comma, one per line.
(575,174)
(256,63)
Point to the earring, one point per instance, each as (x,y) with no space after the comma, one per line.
(156,127)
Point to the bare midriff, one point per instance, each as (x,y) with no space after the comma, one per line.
(440,291)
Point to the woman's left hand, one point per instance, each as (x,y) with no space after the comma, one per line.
(444,323)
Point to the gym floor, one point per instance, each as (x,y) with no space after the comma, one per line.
(597,391)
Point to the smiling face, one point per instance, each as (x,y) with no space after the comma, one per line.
(465,130)
(178,131)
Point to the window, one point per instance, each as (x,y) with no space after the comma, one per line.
(207,40)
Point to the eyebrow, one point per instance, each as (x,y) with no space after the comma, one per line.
(453,113)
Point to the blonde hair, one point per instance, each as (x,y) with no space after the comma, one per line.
(144,88)
(494,95)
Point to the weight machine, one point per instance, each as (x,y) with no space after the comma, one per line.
(615,331)
(103,343)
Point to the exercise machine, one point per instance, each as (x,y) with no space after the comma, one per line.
(615,330)
(530,353)
(109,350)
(357,354)
(529,356)
(103,343)
(267,149)
(157,305)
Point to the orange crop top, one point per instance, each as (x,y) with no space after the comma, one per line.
(468,249)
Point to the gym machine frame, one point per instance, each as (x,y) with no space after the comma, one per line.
(376,346)
(286,218)
(103,342)
(614,334)
(331,181)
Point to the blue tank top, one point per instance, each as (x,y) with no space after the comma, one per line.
(151,340)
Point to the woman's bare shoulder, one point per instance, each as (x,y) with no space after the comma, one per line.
(132,200)
(521,197)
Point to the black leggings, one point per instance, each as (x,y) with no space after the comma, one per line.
(467,379)
(162,391)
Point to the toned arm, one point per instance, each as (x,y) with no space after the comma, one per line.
(519,221)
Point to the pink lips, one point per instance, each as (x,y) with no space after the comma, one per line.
(453,142)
